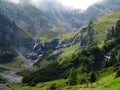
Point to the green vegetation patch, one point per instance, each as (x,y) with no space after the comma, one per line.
(104,24)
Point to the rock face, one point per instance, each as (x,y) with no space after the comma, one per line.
(77,18)
(11,34)
(11,37)
(37,51)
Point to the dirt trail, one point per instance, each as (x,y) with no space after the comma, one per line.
(10,75)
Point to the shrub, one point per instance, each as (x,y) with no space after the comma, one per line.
(52,87)
(83,81)
(93,77)
(72,78)
(118,73)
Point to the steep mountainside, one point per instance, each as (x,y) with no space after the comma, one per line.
(11,38)
(40,22)
(77,18)
(31,19)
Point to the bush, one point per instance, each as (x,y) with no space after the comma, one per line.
(93,77)
(118,73)
(52,87)
(72,78)
(83,81)
(52,72)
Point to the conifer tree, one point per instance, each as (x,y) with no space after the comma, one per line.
(117,29)
(72,78)
(91,33)
(93,77)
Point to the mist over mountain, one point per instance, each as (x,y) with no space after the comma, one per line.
(73,19)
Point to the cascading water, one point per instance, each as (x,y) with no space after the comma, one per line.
(36,52)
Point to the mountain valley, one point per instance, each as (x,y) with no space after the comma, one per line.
(54,47)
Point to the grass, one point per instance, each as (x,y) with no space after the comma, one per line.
(106,81)
(68,52)
(42,86)
(54,32)
(104,24)
(111,84)
(68,35)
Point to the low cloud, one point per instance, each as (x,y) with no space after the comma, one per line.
(76,4)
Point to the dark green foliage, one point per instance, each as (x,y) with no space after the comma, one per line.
(90,34)
(72,78)
(32,84)
(118,73)
(109,46)
(113,33)
(52,87)
(93,77)
(53,71)
(118,57)
(92,58)
(24,73)
(83,81)
(110,34)
(117,29)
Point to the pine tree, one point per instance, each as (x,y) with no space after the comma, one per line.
(91,33)
(118,73)
(118,57)
(110,34)
(117,29)
(93,77)
(72,78)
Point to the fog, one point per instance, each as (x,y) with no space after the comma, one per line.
(76,4)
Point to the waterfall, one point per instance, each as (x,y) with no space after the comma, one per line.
(75,37)
(58,48)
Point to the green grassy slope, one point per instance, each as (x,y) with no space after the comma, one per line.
(112,85)
(68,52)
(50,33)
(104,24)
(68,35)
(106,83)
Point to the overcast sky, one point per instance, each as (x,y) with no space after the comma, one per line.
(77,4)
